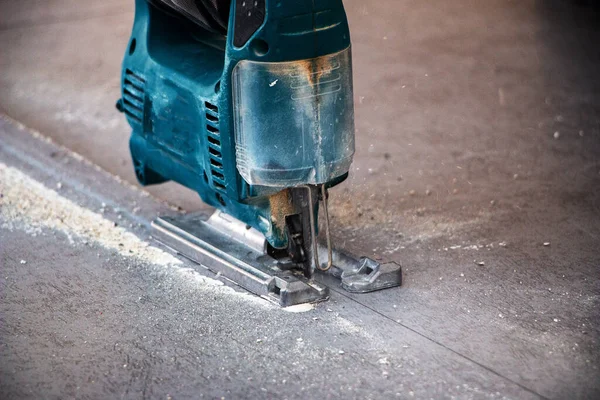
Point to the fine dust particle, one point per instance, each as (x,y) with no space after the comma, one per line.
(300,308)
(546,244)
(350,328)
(581,133)
(556,135)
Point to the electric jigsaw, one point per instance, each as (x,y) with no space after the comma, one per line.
(250,104)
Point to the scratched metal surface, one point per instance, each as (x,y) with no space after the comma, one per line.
(478,141)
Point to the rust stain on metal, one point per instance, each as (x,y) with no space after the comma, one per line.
(314,69)
(281,206)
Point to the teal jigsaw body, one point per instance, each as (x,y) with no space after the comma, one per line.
(239,122)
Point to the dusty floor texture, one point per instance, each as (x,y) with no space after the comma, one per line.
(478,140)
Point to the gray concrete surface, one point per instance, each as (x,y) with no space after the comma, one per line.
(79,319)
(478,123)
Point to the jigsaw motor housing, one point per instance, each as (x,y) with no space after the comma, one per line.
(241,113)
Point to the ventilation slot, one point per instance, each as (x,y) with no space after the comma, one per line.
(214,146)
(133,95)
(218,175)
(214,152)
(211,107)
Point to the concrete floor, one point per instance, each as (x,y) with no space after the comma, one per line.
(478,123)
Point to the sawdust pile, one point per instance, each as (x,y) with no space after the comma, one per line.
(28,205)
(31,203)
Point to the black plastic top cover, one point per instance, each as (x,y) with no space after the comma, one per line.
(212,15)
